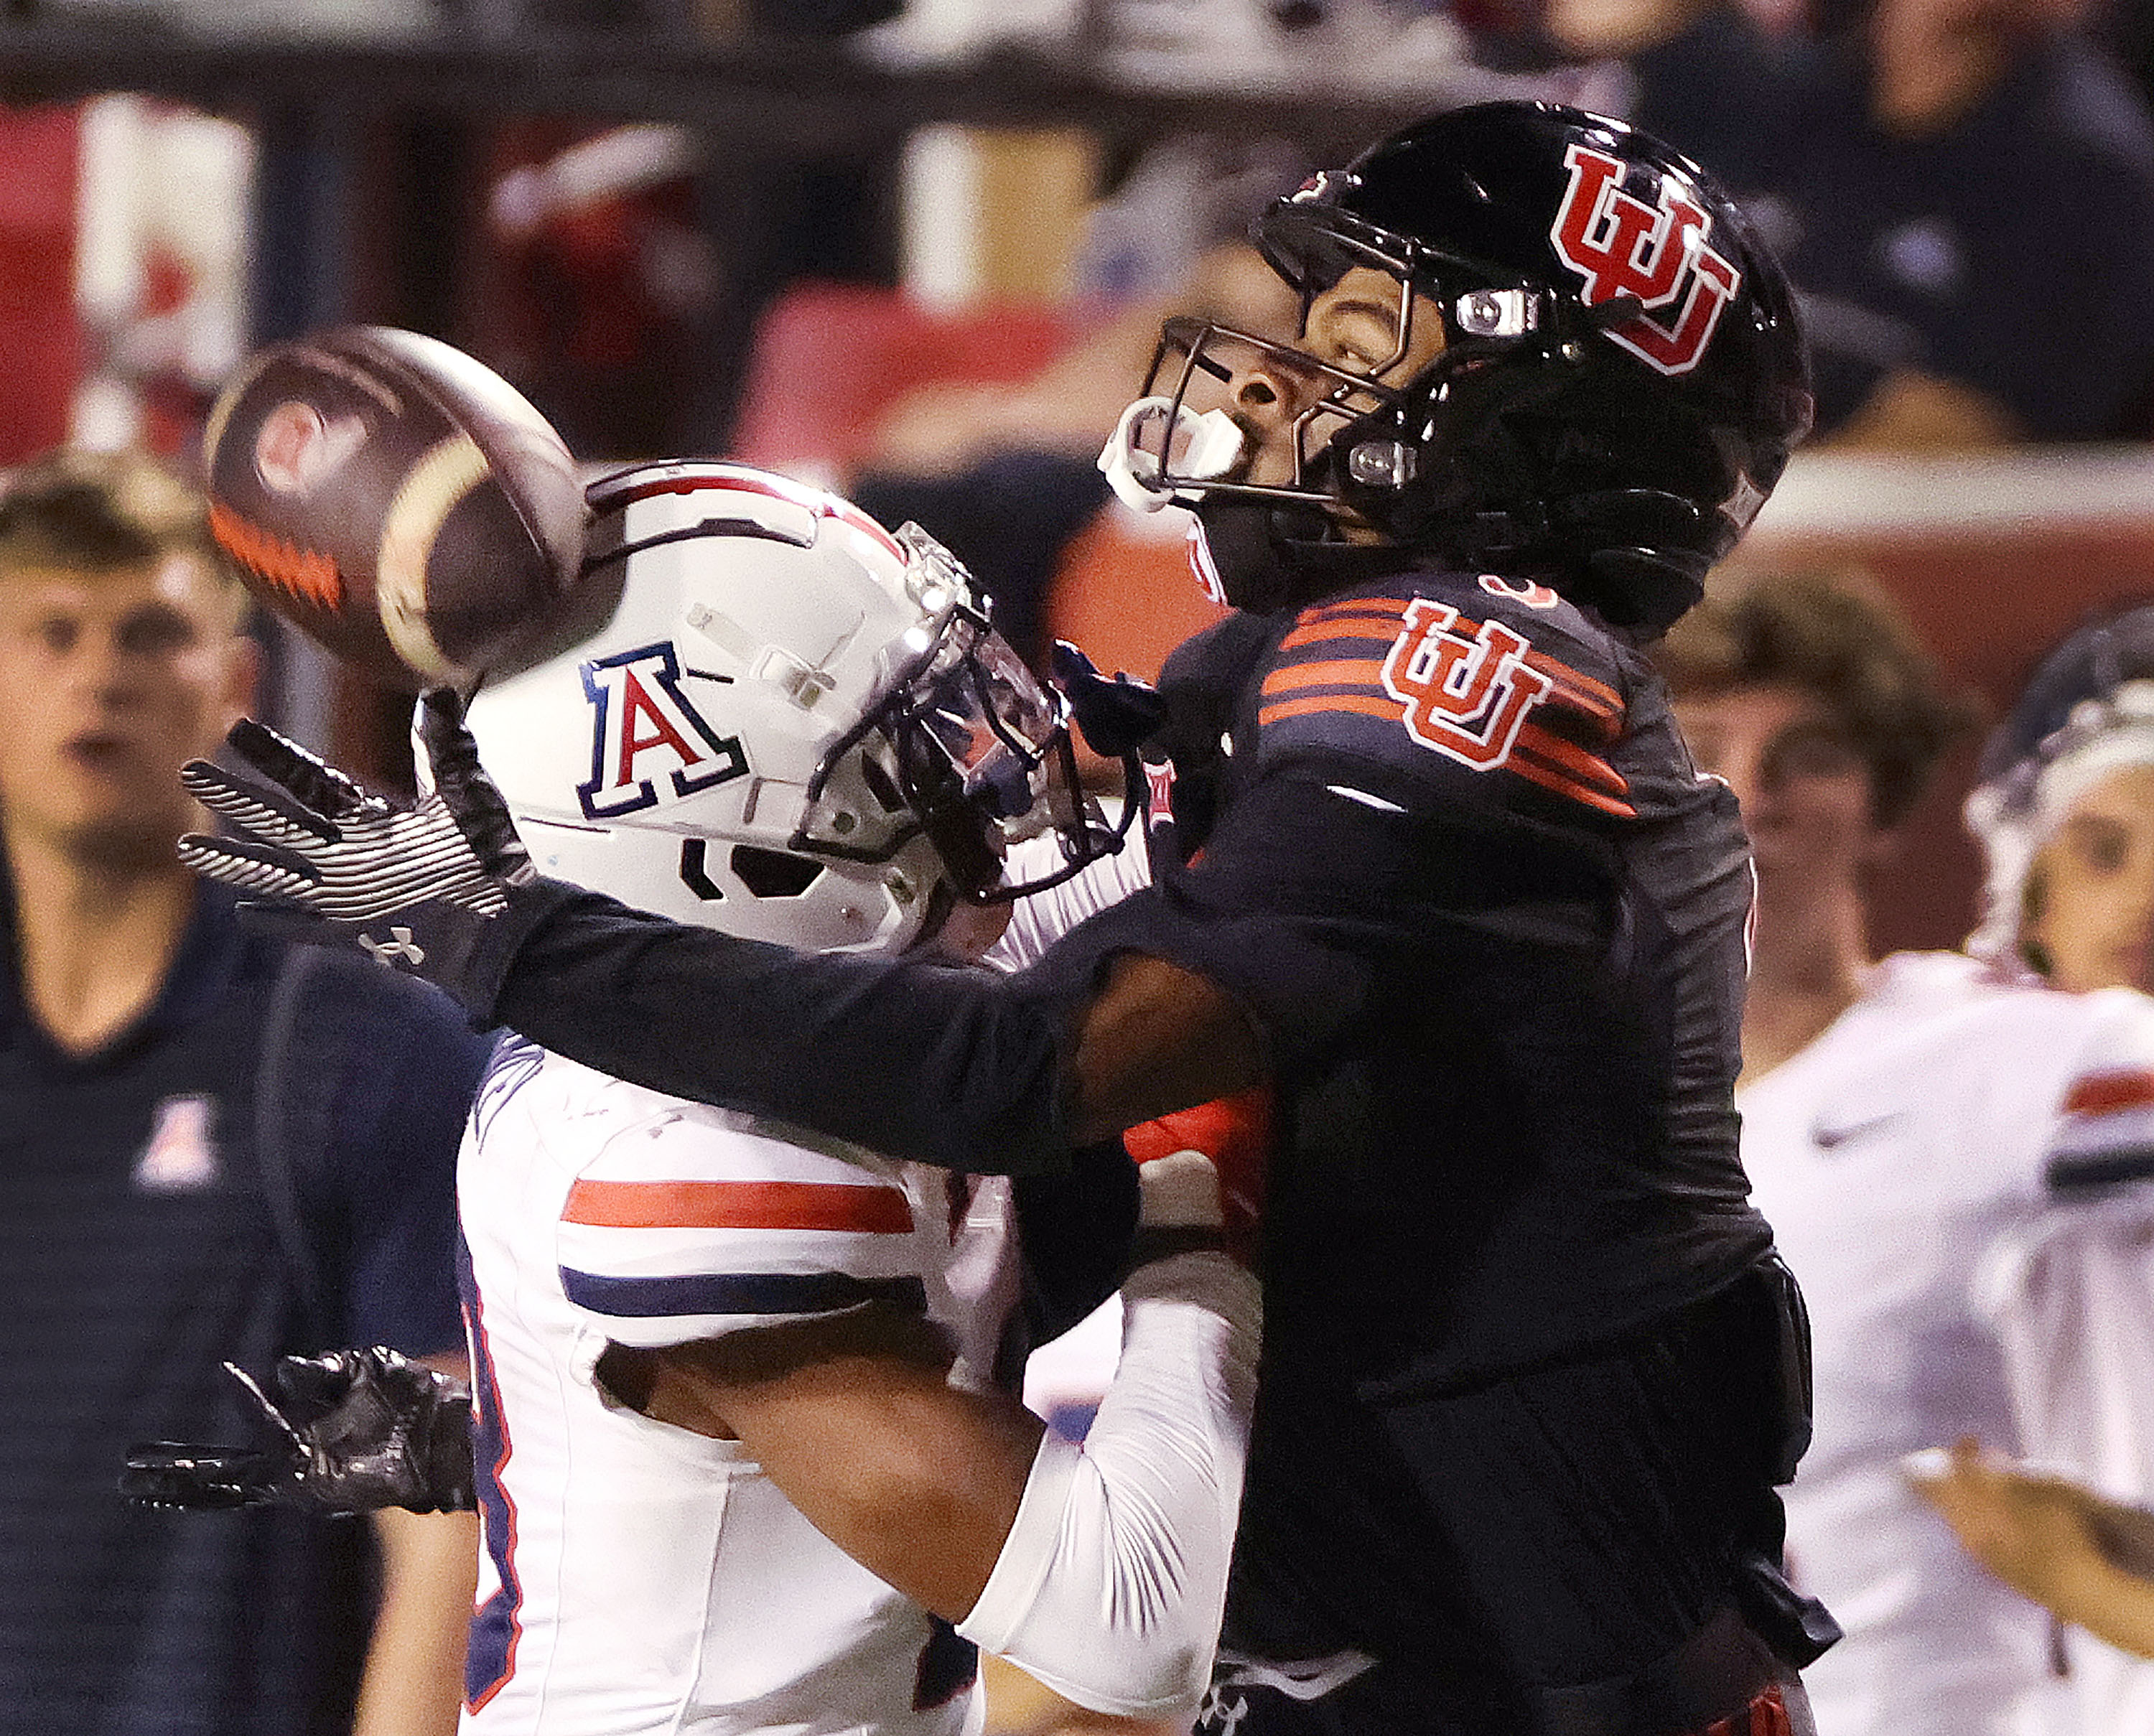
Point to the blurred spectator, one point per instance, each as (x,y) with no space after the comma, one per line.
(1006,476)
(1964,191)
(1907,1125)
(218,1149)
(1970,212)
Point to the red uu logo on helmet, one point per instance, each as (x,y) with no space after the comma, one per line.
(1623,247)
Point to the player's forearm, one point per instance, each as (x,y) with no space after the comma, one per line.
(2088,1591)
(414,1680)
(958,1068)
(1112,1583)
(968,1069)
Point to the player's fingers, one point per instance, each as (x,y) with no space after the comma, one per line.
(271,1411)
(443,736)
(461,784)
(313,783)
(310,1384)
(174,1474)
(452,753)
(263,869)
(264,809)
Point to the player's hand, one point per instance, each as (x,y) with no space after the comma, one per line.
(1201,1174)
(322,860)
(2038,1532)
(1117,717)
(358,1431)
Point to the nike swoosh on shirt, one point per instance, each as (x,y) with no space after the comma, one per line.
(1830,1139)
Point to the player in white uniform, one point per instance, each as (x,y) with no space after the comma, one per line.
(747,1456)
(2064,810)
(1911,1128)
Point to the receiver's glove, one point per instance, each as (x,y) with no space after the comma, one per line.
(1201,1176)
(324,859)
(359,1431)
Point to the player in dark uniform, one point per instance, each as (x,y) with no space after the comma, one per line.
(1435,862)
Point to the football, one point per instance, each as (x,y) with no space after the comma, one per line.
(396,500)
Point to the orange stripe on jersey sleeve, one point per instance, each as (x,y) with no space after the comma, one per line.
(1564,784)
(1553,750)
(2103,1094)
(1374,632)
(1365,706)
(739,1205)
(1345,673)
(1580,689)
(1355,608)
(1370,618)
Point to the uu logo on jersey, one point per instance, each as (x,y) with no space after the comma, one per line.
(1467,686)
(644,728)
(1622,245)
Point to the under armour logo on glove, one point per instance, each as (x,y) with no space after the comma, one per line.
(400,945)
(1221,1710)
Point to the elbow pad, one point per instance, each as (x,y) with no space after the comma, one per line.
(1109,1587)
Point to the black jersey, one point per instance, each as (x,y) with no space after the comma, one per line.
(1439,835)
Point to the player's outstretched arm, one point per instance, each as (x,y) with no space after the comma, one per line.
(1099,1570)
(956,1067)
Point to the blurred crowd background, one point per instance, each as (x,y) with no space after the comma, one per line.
(921,251)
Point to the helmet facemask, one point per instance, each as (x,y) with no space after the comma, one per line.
(1362,449)
(971,744)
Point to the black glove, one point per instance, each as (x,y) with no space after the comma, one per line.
(1118,716)
(360,1430)
(326,862)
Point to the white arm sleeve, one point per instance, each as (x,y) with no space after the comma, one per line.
(1111,1585)
(1037,923)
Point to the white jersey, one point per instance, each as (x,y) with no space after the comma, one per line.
(1904,1160)
(1037,923)
(638,1578)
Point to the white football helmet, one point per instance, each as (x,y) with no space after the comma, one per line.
(793,725)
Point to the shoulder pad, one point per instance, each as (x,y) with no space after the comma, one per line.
(1433,673)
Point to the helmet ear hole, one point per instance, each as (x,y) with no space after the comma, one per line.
(773,873)
(695,871)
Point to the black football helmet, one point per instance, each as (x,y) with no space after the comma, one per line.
(2114,646)
(1621,380)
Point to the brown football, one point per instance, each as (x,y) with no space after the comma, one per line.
(396,500)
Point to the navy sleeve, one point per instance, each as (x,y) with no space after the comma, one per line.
(393,1166)
(1354,852)
(959,1068)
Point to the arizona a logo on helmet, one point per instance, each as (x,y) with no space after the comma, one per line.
(644,730)
(1623,247)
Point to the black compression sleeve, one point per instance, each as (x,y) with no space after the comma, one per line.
(912,1059)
